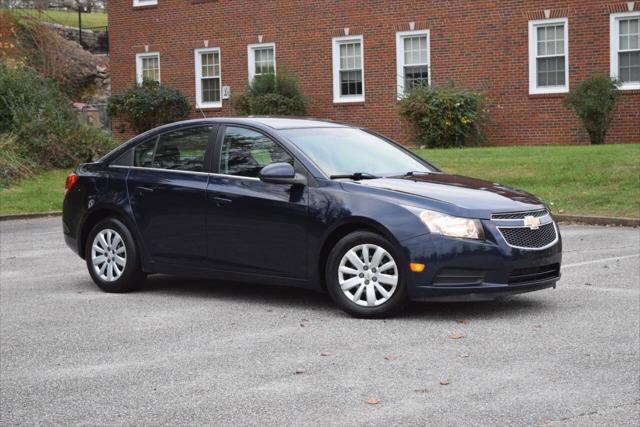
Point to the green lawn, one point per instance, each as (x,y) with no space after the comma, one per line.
(582,180)
(41,194)
(70,19)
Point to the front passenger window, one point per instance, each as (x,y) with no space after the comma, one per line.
(245,152)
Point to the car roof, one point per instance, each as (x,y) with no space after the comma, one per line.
(278,123)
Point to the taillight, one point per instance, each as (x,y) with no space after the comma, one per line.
(70,182)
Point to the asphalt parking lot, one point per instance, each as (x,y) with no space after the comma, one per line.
(185,352)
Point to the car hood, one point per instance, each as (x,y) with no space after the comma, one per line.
(466,194)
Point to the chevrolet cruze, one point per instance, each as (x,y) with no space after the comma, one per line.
(304,203)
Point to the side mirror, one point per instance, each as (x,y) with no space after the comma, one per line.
(281,173)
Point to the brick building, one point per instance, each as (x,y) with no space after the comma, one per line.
(353,58)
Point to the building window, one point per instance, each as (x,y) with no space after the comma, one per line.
(548,56)
(138,3)
(262,59)
(348,69)
(625,49)
(413,60)
(148,67)
(208,80)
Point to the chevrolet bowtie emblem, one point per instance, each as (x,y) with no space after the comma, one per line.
(532,222)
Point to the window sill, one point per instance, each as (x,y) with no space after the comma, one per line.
(209,107)
(630,88)
(145,7)
(342,101)
(550,95)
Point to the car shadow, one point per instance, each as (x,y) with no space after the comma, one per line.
(274,297)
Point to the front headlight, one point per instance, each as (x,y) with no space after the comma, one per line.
(448,225)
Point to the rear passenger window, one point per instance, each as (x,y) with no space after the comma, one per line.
(182,149)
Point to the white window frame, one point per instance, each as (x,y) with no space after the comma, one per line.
(336,42)
(533,55)
(251,55)
(139,58)
(140,3)
(400,36)
(198,72)
(614,37)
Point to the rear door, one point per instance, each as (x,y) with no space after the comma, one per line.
(252,226)
(167,189)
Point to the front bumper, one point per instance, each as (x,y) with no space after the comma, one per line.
(465,269)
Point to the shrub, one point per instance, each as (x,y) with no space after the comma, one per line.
(444,116)
(594,100)
(45,130)
(271,95)
(13,164)
(149,105)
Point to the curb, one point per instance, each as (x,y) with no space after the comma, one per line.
(587,220)
(597,220)
(30,215)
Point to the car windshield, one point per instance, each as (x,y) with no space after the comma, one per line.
(348,151)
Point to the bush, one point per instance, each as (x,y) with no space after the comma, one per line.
(149,105)
(45,130)
(271,95)
(444,116)
(594,100)
(13,164)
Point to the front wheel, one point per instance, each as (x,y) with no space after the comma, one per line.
(112,258)
(364,276)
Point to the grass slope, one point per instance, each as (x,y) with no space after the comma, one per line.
(41,194)
(581,180)
(70,19)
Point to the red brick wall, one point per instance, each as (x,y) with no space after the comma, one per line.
(481,44)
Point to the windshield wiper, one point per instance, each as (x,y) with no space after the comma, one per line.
(356,176)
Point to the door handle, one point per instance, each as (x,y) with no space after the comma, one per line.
(220,201)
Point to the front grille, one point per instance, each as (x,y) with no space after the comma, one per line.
(520,215)
(533,274)
(524,237)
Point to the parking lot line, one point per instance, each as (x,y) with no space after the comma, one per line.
(578,264)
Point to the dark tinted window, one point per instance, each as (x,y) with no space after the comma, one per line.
(183,149)
(143,154)
(245,152)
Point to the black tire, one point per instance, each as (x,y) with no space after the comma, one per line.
(398,300)
(132,276)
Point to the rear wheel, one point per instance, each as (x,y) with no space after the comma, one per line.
(364,276)
(112,258)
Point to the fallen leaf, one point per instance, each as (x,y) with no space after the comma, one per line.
(391,358)
(463,321)
(588,284)
(302,325)
(456,337)
(444,382)
(373,401)
(327,353)
(422,391)
(300,371)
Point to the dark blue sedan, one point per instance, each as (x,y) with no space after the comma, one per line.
(305,203)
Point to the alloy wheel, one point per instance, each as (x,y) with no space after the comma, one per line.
(108,255)
(368,275)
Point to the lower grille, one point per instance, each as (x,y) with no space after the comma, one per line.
(458,277)
(532,274)
(524,237)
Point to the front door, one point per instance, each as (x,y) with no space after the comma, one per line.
(167,188)
(253,226)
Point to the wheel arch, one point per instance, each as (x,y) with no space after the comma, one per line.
(97,215)
(341,230)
